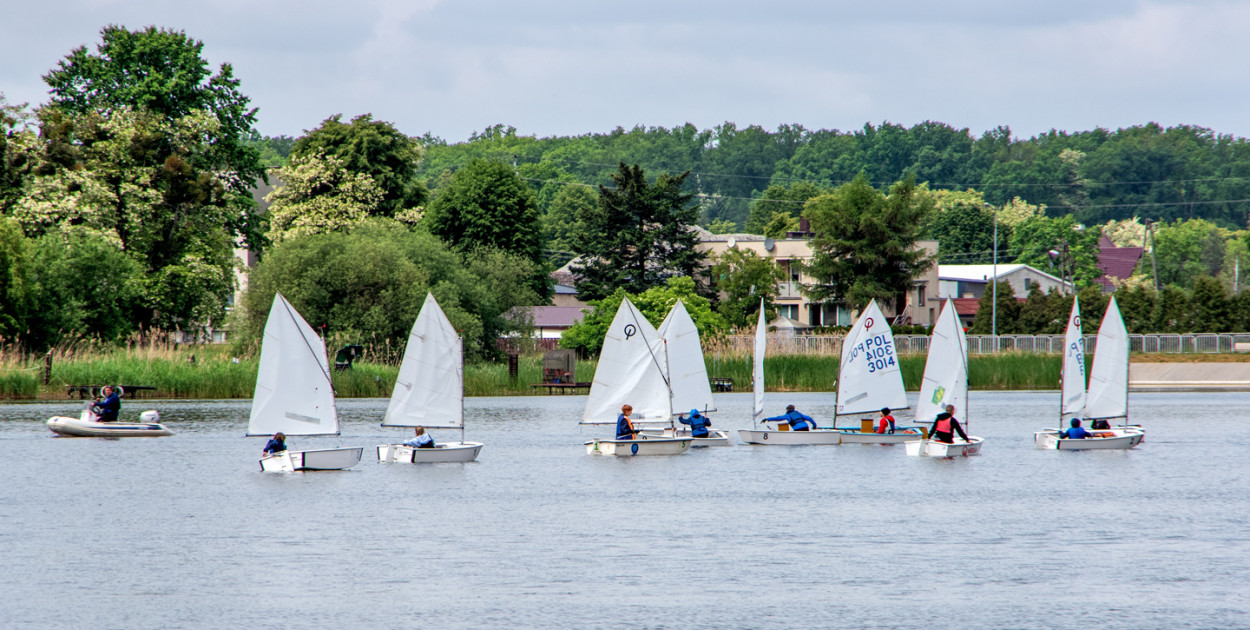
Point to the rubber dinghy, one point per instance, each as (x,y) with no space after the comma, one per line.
(633,369)
(1107,396)
(294,394)
(945,383)
(88,425)
(429,391)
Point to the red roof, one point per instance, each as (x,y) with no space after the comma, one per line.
(966,306)
(556,316)
(1116,263)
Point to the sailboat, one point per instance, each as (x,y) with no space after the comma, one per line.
(755,435)
(869,379)
(1107,397)
(633,370)
(429,391)
(687,373)
(945,383)
(294,394)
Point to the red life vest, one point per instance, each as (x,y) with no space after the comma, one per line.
(944,425)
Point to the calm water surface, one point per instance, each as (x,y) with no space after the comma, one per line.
(184,532)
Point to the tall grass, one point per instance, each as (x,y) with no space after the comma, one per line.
(216,373)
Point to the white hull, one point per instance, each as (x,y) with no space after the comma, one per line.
(448,452)
(645,446)
(714,437)
(1117,438)
(77,427)
(321,459)
(901,435)
(764,436)
(932,448)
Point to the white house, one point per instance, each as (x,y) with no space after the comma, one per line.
(971,281)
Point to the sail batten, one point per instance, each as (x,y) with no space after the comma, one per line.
(294,394)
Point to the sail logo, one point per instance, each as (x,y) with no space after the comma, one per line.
(938,394)
(630,330)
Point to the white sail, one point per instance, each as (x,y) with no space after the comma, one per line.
(429,390)
(1073,392)
(869,376)
(757,373)
(1108,378)
(631,371)
(686,369)
(293,390)
(945,370)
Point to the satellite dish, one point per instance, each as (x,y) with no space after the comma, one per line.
(769,244)
(732,242)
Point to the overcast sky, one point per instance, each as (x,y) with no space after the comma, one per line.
(569,67)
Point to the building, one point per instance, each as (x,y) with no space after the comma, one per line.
(1117,264)
(972,281)
(922,306)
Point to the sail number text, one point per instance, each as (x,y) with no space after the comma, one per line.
(877,350)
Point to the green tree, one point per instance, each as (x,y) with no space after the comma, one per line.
(86,286)
(374,148)
(1211,311)
(1172,312)
(1008,315)
(743,277)
(865,242)
(138,177)
(15,268)
(1137,307)
(1034,239)
(638,236)
(587,335)
(488,206)
(163,71)
(561,223)
(1186,249)
(781,200)
(319,195)
(964,225)
(367,286)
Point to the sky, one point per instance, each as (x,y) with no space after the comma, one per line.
(572,67)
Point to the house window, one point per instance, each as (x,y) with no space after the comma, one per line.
(1028,282)
(920,295)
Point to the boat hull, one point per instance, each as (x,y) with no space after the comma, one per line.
(77,427)
(933,448)
(901,435)
(1120,438)
(633,448)
(320,459)
(790,438)
(714,437)
(448,452)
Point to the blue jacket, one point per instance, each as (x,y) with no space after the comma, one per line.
(698,424)
(1075,433)
(109,407)
(420,441)
(274,446)
(622,428)
(798,421)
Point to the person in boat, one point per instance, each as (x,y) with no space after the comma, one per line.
(886,423)
(624,427)
(1100,424)
(698,423)
(420,439)
(1075,431)
(946,425)
(276,444)
(107,409)
(798,421)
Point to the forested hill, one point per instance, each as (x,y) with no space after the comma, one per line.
(1096,176)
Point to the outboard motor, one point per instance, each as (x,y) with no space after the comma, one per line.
(153,416)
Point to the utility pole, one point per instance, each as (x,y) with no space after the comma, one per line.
(994,291)
(1154,262)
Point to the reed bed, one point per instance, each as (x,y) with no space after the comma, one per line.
(212,371)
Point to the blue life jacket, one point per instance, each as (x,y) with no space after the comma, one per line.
(698,424)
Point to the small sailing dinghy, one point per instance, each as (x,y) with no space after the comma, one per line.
(294,394)
(87,424)
(945,383)
(687,373)
(429,391)
(1107,396)
(633,370)
(869,380)
(757,379)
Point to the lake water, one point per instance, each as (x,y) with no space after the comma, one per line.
(185,532)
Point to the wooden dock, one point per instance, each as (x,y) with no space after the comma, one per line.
(564,388)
